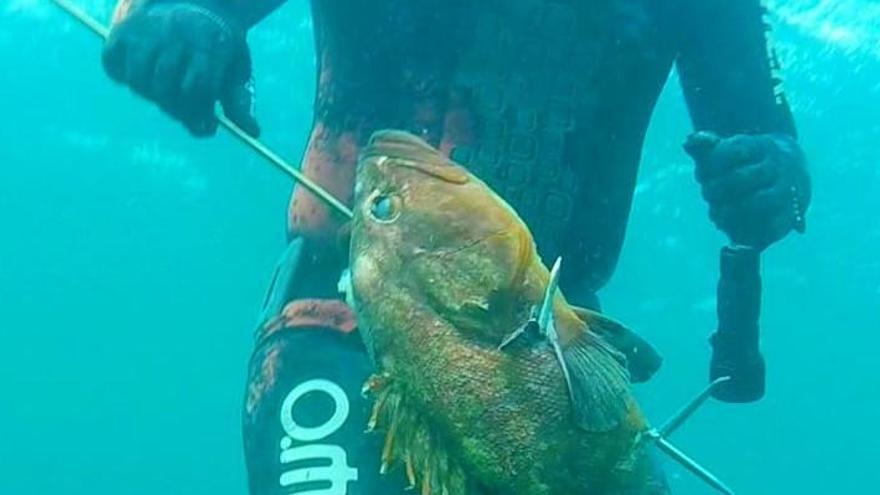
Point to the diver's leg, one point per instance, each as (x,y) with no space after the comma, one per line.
(304,417)
(304,414)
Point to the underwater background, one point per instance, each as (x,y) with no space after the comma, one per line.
(133,260)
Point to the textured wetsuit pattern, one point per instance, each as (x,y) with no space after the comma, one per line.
(498,86)
(524,78)
(378,67)
(548,109)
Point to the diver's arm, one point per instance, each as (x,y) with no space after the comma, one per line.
(751,169)
(754,177)
(250,12)
(186,56)
(246,12)
(728,70)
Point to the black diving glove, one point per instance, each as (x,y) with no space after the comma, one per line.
(758,190)
(757,186)
(186,57)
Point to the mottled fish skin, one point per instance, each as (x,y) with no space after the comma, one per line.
(442,270)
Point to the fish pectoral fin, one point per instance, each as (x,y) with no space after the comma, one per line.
(642,359)
(599,384)
(345,287)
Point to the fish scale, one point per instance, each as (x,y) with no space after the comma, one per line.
(466,416)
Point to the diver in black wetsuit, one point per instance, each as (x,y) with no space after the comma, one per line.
(547,101)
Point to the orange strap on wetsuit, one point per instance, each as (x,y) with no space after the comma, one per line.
(326,313)
(123,9)
(330,161)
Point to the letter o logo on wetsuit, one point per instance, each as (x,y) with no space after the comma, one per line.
(302,433)
(333,468)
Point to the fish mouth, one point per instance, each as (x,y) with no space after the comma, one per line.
(392,148)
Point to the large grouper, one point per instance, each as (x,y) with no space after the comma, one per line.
(474,392)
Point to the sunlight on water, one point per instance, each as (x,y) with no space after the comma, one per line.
(849,25)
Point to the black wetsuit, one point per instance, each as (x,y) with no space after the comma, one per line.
(555,99)
(547,101)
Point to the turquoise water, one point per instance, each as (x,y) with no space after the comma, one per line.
(134,258)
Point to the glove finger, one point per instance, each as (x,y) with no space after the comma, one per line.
(729,154)
(198,116)
(779,228)
(765,202)
(168,75)
(202,78)
(199,119)
(139,68)
(742,181)
(747,220)
(198,91)
(700,144)
(238,105)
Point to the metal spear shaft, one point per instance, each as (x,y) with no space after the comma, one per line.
(102,31)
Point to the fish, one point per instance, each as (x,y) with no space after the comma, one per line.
(474,391)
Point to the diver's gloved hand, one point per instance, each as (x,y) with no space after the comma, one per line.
(186,57)
(757,186)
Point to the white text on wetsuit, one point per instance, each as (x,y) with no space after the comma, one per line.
(302,443)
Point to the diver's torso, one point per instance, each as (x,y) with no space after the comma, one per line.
(547,101)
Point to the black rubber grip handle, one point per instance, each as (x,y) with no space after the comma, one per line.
(736,343)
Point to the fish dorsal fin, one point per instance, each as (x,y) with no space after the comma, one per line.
(642,359)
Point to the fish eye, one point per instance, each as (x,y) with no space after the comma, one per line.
(384,208)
